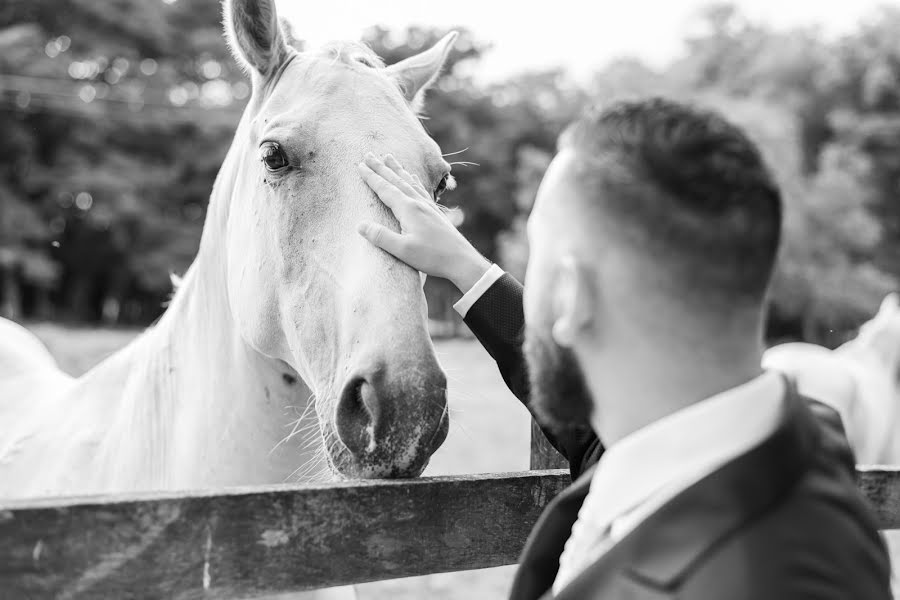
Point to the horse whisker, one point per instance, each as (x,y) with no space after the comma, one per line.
(455,153)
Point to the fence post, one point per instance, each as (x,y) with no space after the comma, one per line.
(543,455)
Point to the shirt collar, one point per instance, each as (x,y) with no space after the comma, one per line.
(683,446)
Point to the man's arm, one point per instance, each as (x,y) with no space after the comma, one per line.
(497,320)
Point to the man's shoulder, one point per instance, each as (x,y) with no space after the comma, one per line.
(816,542)
(819,541)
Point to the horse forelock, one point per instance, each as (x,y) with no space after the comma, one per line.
(321,59)
(349,53)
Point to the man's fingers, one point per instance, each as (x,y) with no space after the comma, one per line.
(397,168)
(417,183)
(408,177)
(388,192)
(389,175)
(384,238)
(394,165)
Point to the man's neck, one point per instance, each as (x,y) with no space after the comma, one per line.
(632,394)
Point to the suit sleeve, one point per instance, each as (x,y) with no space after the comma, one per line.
(497,319)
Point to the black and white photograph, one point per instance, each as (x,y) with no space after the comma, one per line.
(455,301)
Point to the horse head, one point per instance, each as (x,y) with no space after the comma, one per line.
(303,287)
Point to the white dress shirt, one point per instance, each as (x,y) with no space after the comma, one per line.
(489,278)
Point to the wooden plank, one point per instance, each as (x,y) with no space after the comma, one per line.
(879,484)
(247,543)
(250,542)
(543,455)
(881,487)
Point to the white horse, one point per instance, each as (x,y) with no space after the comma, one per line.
(861,379)
(292,347)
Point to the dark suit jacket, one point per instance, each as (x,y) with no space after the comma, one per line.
(782,522)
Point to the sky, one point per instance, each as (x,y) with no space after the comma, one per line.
(580,35)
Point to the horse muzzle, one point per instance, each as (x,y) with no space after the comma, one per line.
(390,419)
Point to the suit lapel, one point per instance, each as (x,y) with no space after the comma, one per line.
(539,561)
(658,554)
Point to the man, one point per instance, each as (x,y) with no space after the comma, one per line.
(652,239)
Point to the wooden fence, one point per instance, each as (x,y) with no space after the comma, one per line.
(258,541)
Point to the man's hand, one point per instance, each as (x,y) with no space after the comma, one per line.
(427,241)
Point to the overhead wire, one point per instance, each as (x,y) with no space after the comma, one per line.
(26,93)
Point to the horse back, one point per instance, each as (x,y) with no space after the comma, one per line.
(856,384)
(30,384)
(21,352)
(28,373)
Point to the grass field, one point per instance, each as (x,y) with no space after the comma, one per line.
(488,433)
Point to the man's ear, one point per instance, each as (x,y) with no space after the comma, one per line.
(417,73)
(254,34)
(573,302)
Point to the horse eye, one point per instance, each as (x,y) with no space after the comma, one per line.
(442,186)
(274,157)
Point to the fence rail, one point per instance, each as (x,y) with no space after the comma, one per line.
(247,543)
(260,541)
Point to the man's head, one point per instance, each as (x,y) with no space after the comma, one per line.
(655,230)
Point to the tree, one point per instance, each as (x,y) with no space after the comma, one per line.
(817,109)
(117,117)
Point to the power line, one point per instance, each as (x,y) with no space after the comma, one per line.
(135,104)
(153,115)
(38,79)
(26,84)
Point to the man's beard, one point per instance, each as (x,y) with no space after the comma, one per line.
(559,395)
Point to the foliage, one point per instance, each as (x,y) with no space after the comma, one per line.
(827,115)
(116,117)
(827,118)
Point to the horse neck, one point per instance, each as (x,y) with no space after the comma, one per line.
(201,408)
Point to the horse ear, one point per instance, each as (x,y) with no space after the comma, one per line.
(254,34)
(289,35)
(890,304)
(416,73)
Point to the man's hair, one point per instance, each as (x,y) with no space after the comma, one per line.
(687,190)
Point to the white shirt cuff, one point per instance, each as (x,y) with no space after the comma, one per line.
(481,286)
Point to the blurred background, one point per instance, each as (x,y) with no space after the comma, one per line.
(115,116)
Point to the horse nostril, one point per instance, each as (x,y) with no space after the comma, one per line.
(357,416)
